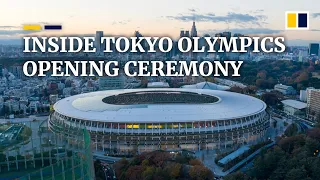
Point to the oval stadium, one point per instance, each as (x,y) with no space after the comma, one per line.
(139,120)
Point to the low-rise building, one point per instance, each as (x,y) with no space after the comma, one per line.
(293,107)
(53,98)
(108,83)
(284,89)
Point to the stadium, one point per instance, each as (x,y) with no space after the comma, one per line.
(138,120)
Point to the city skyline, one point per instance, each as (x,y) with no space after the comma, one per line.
(170,89)
(165,18)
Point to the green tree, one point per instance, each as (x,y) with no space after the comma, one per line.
(314,133)
(148,173)
(315,169)
(267,163)
(175,170)
(289,143)
(194,162)
(120,167)
(271,98)
(199,172)
(98,169)
(312,146)
(236,176)
(134,172)
(291,130)
(145,163)
(297,174)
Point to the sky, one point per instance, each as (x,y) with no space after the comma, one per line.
(158,18)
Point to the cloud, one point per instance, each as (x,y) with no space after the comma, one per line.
(43,23)
(15,32)
(245,31)
(9,27)
(124,22)
(316,15)
(255,11)
(230,17)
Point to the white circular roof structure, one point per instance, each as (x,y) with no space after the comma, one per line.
(132,105)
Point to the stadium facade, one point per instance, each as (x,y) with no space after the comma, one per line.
(138,120)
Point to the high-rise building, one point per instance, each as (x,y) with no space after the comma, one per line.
(17,71)
(143,43)
(218,35)
(227,35)
(1,74)
(137,34)
(238,40)
(99,47)
(187,34)
(192,33)
(194,30)
(184,43)
(181,33)
(314,49)
(313,102)
(305,93)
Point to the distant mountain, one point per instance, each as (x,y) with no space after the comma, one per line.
(301,42)
(11,42)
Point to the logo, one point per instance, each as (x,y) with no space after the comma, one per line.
(297,20)
(38,27)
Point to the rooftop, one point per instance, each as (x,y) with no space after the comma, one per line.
(234,155)
(159,97)
(206,85)
(90,106)
(295,104)
(282,86)
(158,85)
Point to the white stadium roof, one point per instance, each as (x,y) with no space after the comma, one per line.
(206,85)
(90,107)
(295,104)
(158,85)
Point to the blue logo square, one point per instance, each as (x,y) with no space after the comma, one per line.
(302,20)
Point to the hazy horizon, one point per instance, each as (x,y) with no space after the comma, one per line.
(159,18)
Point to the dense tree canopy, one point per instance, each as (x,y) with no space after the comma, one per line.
(294,157)
(265,74)
(272,98)
(162,165)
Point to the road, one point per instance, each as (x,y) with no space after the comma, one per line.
(34,143)
(100,156)
(250,157)
(22,120)
(272,133)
